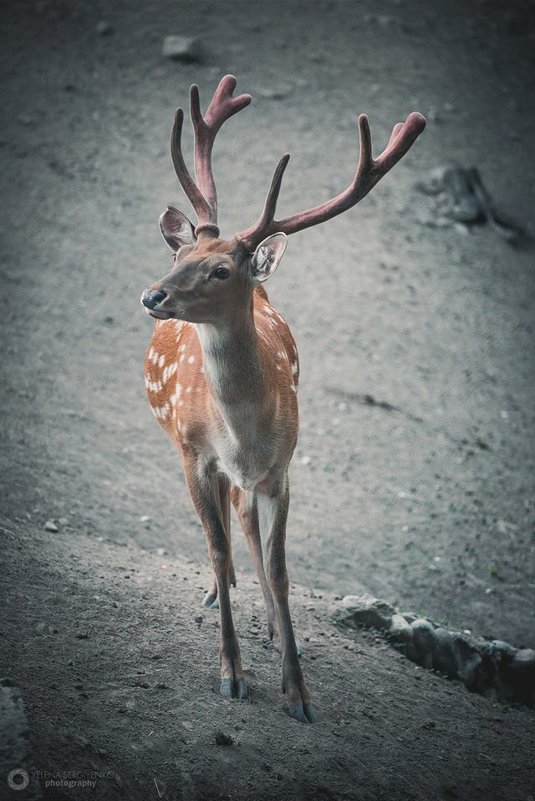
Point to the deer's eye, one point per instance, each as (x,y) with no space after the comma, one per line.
(221,272)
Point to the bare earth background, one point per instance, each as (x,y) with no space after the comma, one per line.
(429,506)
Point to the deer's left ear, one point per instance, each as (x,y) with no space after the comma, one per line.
(176,229)
(267,256)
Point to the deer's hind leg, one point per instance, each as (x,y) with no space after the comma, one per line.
(246,507)
(273,504)
(204,488)
(220,489)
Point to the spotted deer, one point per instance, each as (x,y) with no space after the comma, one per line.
(222,371)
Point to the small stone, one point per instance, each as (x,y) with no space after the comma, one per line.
(223,739)
(198,619)
(104,28)
(51,526)
(63,521)
(470,672)
(367,611)
(144,519)
(444,657)
(400,630)
(423,641)
(275,92)
(182,48)
(160,551)
(306,460)
(502,650)
(524,661)
(463,647)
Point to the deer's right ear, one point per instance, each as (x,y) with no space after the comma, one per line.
(176,229)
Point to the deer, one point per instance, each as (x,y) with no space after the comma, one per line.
(222,372)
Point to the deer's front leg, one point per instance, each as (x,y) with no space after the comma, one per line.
(201,486)
(220,490)
(273,501)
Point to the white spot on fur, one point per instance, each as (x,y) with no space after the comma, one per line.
(191,359)
(294,368)
(161,361)
(182,348)
(169,371)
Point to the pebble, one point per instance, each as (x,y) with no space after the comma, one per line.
(274,92)
(223,739)
(51,526)
(444,656)
(182,48)
(423,641)
(365,610)
(400,630)
(104,28)
(524,660)
(470,672)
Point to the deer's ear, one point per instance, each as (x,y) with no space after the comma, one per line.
(176,229)
(267,256)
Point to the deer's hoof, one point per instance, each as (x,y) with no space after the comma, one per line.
(304,713)
(233,688)
(210,601)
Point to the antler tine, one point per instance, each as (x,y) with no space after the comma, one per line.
(402,138)
(202,192)
(369,172)
(189,186)
(221,108)
(266,220)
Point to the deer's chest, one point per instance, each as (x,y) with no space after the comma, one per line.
(245,454)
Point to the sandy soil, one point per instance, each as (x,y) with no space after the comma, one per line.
(428,504)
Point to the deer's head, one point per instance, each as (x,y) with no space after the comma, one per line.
(212,277)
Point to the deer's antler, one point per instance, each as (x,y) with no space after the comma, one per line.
(202,192)
(369,172)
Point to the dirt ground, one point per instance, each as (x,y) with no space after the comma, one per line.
(413,476)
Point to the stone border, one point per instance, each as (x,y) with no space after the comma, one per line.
(494,668)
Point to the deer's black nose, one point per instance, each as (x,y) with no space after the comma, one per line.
(151,298)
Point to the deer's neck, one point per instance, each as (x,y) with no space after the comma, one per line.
(233,369)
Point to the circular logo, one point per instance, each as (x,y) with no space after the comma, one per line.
(18,779)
